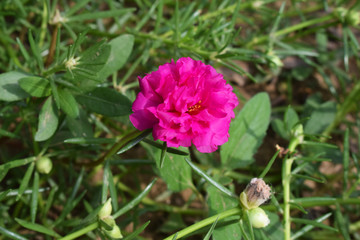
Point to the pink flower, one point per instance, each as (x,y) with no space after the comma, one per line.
(185,102)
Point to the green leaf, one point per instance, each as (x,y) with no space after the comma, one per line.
(307,228)
(227,228)
(10,89)
(89,141)
(210,180)
(36,86)
(34,197)
(135,201)
(4,194)
(211,230)
(137,231)
(48,121)
(80,127)
(137,138)
(38,228)
(322,117)
(96,15)
(313,223)
(4,168)
(11,235)
(121,48)
(85,74)
(175,171)
(246,132)
(106,101)
(68,103)
(169,150)
(25,181)
(342,222)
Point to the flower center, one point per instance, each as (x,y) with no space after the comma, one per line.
(194,109)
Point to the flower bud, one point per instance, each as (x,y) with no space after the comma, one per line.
(258,218)
(348,17)
(275,61)
(255,194)
(71,63)
(114,233)
(352,18)
(106,210)
(44,165)
(298,133)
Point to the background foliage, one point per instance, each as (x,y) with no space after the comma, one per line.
(68,76)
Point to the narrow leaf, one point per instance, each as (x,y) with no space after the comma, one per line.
(25,181)
(96,15)
(12,235)
(308,178)
(137,231)
(81,140)
(37,228)
(135,201)
(210,232)
(210,180)
(163,153)
(307,228)
(34,198)
(313,223)
(169,150)
(137,138)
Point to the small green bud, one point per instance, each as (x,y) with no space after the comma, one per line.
(348,17)
(106,210)
(44,165)
(275,61)
(114,233)
(255,194)
(298,133)
(352,18)
(258,218)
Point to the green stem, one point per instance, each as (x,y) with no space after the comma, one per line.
(205,222)
(58,68)
(290,29)
(286,179)
(43,25)
(286,186)
(81,232)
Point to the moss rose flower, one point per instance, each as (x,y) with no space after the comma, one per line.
(185,102)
